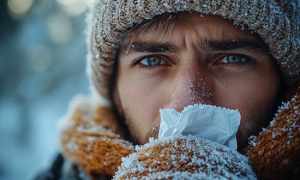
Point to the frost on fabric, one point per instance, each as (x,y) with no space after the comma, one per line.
(184,157)
(275,151)
(79,125)
(72,146)
(82,104)
(288,113)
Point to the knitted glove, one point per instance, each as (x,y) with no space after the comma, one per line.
(275,152)
(184,158)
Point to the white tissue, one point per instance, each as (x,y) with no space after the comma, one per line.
(217,124)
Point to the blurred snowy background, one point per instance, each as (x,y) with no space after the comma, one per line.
(42,66)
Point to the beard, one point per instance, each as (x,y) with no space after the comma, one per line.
(253,124)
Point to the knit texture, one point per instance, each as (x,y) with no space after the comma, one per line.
(275,21)
(92,139)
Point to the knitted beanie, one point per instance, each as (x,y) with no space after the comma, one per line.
(277,22)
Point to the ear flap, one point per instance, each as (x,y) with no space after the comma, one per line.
(91,138)
(275,152)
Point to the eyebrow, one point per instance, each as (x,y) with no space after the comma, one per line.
(219,45)
(236,44)
(151,47)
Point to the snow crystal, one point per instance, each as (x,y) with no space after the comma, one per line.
(274,135)
(284,106)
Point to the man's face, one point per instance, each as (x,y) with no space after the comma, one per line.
(197,60)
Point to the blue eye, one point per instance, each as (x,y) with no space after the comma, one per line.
(152,61)
(236,59)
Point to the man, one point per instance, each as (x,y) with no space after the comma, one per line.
(146,55)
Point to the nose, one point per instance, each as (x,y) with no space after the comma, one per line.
(192,85)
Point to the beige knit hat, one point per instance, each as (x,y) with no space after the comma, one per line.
(276,21)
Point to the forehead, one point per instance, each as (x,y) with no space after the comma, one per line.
(187,27)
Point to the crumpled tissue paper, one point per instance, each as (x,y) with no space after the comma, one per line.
(214,123)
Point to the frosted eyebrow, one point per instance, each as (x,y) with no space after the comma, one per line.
(150,47)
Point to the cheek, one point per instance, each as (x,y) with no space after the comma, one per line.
(141,103)
(255,97)
(254,94)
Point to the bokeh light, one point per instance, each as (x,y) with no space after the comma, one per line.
(42,66)
(60,28)
(75,7)
(40,58)
(19,7)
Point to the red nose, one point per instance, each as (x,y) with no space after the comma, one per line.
(190,87)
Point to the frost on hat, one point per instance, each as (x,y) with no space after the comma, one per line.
(277,22)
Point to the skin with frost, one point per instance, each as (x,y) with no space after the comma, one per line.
(195,60)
